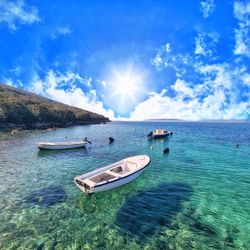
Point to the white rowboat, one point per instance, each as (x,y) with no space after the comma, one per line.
(62,145)
(112,176)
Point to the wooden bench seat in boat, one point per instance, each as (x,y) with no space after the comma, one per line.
(115,174)
(89,183)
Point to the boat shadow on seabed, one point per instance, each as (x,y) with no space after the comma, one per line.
(144,213)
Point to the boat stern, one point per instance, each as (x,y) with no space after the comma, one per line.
(83,185)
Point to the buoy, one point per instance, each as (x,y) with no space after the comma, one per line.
(151,147)
(166,151)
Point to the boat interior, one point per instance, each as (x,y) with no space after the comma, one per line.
(113,173)
(160,132)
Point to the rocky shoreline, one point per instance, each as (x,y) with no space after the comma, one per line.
(22,110)
(10,127)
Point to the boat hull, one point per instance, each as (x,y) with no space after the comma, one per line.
(160,136)
(114,184)
(59,147)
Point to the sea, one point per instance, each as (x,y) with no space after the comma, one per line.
(195,197)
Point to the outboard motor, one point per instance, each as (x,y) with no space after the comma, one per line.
(150,134)
(111,139)
(86,140)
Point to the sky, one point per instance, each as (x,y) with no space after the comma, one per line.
(131,59)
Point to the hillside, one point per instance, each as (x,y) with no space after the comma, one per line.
(22,109)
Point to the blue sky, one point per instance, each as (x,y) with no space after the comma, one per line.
(135,60)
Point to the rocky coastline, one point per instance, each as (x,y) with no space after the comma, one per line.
(22,110)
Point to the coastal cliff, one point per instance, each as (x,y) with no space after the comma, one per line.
(25,110)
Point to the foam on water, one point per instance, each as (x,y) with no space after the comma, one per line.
(196,197)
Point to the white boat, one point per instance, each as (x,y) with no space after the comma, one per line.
(112,176)
(159,133)
(62,145)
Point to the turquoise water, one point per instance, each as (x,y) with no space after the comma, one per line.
(196,197)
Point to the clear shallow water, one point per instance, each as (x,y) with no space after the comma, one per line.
(197,197)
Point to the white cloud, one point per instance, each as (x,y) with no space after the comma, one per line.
(63,88)
(242,33)
(214,98)
(168,47)
(67,79)
(157,61)
(246,79)
(165,57)
(15,13)
(38,85)
(64,30)
(181,88)
(16,70)
(9,82)
(102,82)
(61,31)
(207,7)
(205,43)
(241,10)
(218,75)
(162,53)
(212,91)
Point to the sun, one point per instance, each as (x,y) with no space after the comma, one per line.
(125,87)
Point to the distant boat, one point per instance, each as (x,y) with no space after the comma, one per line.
(14,131)
(159,133)
(112,176)
(62,145)
(51,129)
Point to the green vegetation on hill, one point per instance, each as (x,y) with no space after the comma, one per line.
(22,109)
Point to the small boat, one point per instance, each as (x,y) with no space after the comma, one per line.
(112,176)
(62,145)
(14,131)
(159,133)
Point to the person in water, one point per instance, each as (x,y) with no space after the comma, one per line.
(111,139)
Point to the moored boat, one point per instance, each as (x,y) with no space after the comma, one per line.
(112,176)
(62,145)
(159,133)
